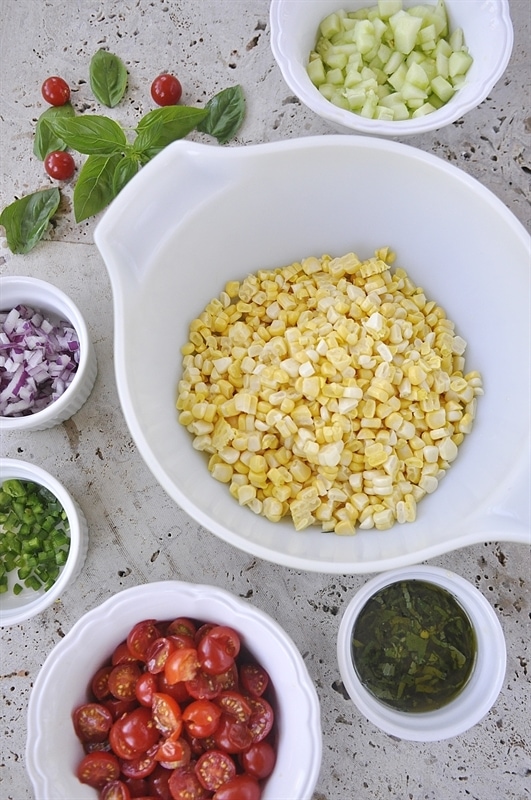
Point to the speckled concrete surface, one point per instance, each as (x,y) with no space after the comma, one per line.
(136,533)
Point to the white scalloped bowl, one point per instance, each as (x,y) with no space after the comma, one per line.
(18,608)
(49,299)
(53,752)
(169,252)
(488,34)
(480,692)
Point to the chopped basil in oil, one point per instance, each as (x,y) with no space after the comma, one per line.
(413,646)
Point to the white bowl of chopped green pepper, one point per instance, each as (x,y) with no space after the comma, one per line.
(391,68)
(43,540)
(421,653)
(47,360)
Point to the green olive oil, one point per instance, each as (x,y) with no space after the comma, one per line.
(413,646)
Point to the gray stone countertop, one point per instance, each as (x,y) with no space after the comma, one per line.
(137,534)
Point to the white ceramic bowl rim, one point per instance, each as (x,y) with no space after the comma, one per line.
(52,751)
(46,297)
(483,687)
(161,265)
(294,25)
(18,608)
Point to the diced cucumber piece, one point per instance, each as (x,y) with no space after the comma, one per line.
(416,75)
(411,92)
(316,72)
(335,77)
(355,97)
(427,34)
(384,113)
(364,36)
(352,78)
(442,88)
(389,7)
(443,46)
(441,65)
(395,60)
(369,107)
(459,63)
(425,108)
(330,25)
(327,90)
(456,39)
(398,77)
(405,28)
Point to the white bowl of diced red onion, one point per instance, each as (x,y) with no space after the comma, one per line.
(47,359)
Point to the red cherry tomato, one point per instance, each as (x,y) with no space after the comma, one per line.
(262,718)
(122,680)
(166,714)
(158,783)
(55,91)
(138,768)
(259,760)
(184,785)
(115,790)
(166,90)
(254,679)
(145,688)
(122,654)
(215,768)
(232,736)
(141,636)
(100,683)
(181,665)
(133,734)
(235,704)
(181,625)
(98,768)
(177,690)
(59,165)
(174,753)
(92,722)
(119,707)
(201,718)
(241,787)
(158,652)
(217,649)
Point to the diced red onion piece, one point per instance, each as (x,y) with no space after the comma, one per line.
(38,360)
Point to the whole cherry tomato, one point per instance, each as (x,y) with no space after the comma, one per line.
(55,91)
(59,165)
(166,90)
(241,787)
(259,760)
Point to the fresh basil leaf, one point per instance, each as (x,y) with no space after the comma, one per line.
(26,220)
(91,134)
(126,169)
(46,138)
(95,185)
(108,78)
(226,111)
(162,126)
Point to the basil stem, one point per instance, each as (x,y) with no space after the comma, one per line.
(108,78)
(46,137)
(226,111)
(26,220)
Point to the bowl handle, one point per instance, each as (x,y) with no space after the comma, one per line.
(135,224)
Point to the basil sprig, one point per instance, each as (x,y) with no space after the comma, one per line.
(114,156)
(27,219)
(108,78)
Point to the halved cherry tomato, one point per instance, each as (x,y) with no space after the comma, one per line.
(100,683)
(119,707)
(215,768)
(157,654)
(140,767)
(97,769)
(232,736)
(262,718)
(241,787)
(133,734)
(259,760)
(92,722)
(181,665)
(184,785)
(158,783)
(217,649)
(181,625)
(182,640)
(122,654)
(141,636)
(177,690)
(174,752)
(235,704)
(145,688)
(201,718)
(166,714)
(115,790)
(254,679)
(122,680)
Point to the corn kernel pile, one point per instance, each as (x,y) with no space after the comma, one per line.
(331,391)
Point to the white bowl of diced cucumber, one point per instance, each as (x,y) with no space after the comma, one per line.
(43,540)
(391,67)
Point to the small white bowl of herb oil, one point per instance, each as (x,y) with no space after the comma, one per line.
(421,653)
